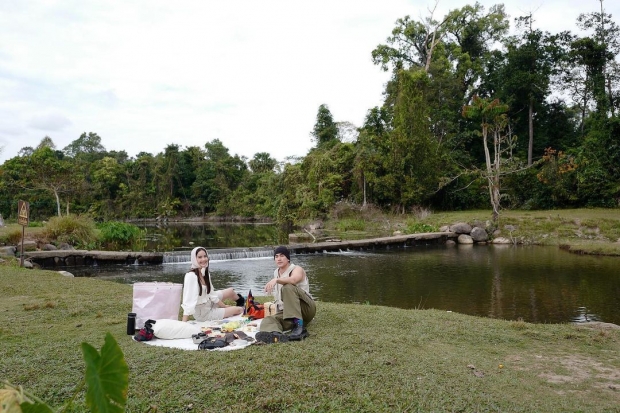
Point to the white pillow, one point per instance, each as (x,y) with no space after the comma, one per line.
(171,329)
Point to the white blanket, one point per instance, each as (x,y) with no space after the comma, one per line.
(188,343)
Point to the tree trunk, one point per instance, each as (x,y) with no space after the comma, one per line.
(57,202)
(530,147)
(364,202)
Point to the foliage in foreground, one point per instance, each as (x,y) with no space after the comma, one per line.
(106,379)
(357,358)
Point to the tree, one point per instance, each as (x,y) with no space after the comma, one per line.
(262,162)
(45,171)
(525,78)
(87,145)
(491,114)
(325,130)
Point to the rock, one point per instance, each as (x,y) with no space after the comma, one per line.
(8,250)
(501,240)
(444,228)
(450,242)
(479,234)
(48,247)
(461,228)
(66,274)
(29,245)
(397,233)
(65,246)
(314,226)
(496,233)
(299,237)
(28,264)
(510,228)
(465,239)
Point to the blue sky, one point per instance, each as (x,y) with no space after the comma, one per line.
(145,74)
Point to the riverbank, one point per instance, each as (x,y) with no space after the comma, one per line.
(358,358)
(584,231)
(581,231)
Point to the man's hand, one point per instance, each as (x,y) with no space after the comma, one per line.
(270,285)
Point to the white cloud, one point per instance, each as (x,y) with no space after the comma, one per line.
(250,73)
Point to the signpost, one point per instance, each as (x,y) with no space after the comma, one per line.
(23,219)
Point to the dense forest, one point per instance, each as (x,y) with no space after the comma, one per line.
(477,114)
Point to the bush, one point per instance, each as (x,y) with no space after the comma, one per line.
(77,230)
(419,227)
(13,237)
(117,235)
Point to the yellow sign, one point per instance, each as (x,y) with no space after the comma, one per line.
(23,213)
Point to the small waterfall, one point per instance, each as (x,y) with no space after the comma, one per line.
(180,257)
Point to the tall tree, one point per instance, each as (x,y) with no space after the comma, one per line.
(325,131)
(491,115)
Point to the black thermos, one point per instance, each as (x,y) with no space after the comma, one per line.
(131,324)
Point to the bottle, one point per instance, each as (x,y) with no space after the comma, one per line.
(131,324)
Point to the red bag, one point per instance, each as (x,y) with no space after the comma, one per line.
(254,310)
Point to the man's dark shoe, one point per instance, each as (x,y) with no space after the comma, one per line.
(240,301)
(298,333)
(269,337)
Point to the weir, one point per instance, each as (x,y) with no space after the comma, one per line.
(179,257)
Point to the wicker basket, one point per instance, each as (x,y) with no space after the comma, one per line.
(270,308)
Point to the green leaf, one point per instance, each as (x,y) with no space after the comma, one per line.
(36,407)
(107,377)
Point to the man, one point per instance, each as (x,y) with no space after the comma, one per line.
(295,305)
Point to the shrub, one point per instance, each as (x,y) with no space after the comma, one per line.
(14,237)
(72,229)
(118,235)
(419,227)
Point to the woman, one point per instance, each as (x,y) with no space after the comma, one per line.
(200,298)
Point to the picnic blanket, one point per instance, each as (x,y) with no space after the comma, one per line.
(249,329)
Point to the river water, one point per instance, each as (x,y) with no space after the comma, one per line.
(533,283)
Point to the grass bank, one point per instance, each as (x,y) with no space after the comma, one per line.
(584,231)
(358,358)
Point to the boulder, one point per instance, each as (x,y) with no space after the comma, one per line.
(501,240)
(48,247)
(28,245)
(479,234)
(8,250)
(465,239)
(450,243)
(299,237)
(461,228)
(444,228)
(314,226)
(66,274)
(65,246)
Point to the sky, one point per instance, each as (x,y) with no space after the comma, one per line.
(251,73)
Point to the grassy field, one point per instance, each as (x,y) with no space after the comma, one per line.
(359,358)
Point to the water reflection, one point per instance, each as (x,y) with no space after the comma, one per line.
(536,284)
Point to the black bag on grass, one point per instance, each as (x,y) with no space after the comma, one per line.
(211,343)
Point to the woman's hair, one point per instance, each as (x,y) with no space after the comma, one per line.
(207,275)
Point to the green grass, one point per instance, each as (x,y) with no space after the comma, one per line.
(357,358)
